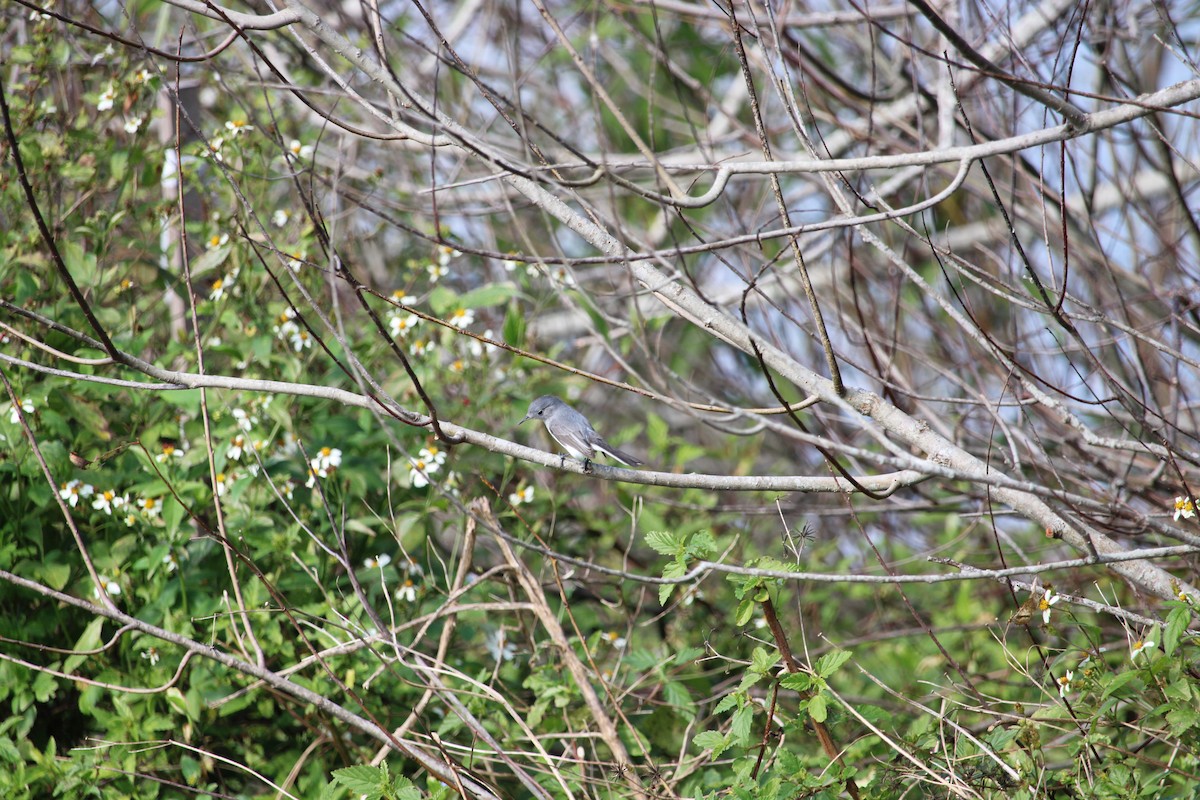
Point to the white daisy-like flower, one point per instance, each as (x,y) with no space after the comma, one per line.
(224,481)
(236,446)
(169,451)
(170,562)
(400,324)
(420,347)
(433,455)
(420,471)
(498,645)
(378,562)
(133,124)
(22,404)
(280,217)
(237,127)
(150,506)
(403,298)
(462,317)
(1064,683)
(151,655)
(437,272)
(521,496)
(107,97)
(615,639)
(142,76)
(245,422)
(216,240)
(107,585)
(446,254)
(407,591)
(74,490)
(1048,599)
(1138,647)
(298,150)
(108,500)
(1184,509)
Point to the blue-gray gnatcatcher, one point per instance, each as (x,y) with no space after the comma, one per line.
(573,431)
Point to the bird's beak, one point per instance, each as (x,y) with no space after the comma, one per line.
(527,418)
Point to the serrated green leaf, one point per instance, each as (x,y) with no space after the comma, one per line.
(1177,622)
(742,725)
(745,611)
(817,708)
(798,681)
(711,740)
(362,780)
(687,655)
(702,545)
(832,662)
(761,660)
(664,543)
(675,569)
(727,702)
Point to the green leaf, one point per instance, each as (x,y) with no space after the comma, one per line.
(664,543)
(702,545)
(798,681)
(711,740)
(362,780)
(514,326)
(1119,682)
(1177,622)
(442,300)
(745,611)
(817,708)
(831,662)
(727,702)
(675,569)
(687,655)
(761,660)
(88,640)
(490,295)
(743,721)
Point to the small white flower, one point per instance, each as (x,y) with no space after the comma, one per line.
(150,506)
(420,347)
(300,340)
(498,645)
(413,567)
(107,585)
(1064,683)
(107,501)
(170,562)
(400,324)
(72,491)
(107,98)
(1048,599)
(142,76)
(1184,509)
(297,150)
(446,254)
(224,482)
(236,447)
(521,496)
(245,422)
(509,264)
(280,217)
(403,298)
(1139,646)
(169,451)
(420,471)
(462,317)
(437,272)
(22,404)
(613,638)
(378,562)
(214,147)
(133,124)
(561,277)
(237,127)
(151,655)
(296,261)
(216,240)
(327,458)
(407,591)
(221,287)
(432,455)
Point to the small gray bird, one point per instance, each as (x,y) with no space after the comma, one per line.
(573,431)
